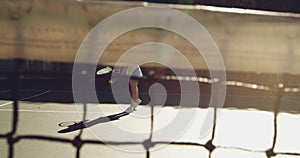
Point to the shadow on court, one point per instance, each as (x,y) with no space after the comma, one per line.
(87,123)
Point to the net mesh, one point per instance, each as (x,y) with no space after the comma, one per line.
(13,137)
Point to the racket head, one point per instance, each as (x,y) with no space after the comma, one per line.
(103,71)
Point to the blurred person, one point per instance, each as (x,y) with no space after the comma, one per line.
(135,74)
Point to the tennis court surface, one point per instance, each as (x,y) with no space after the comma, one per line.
(31,129)
(41,41)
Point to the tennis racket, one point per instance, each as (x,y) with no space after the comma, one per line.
(103,71)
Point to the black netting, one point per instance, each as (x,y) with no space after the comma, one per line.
(13,137)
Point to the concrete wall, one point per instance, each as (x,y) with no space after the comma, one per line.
(53,31)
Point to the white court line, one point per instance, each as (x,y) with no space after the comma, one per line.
(2,105)
(40,111)
(35,95)
(47,111)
